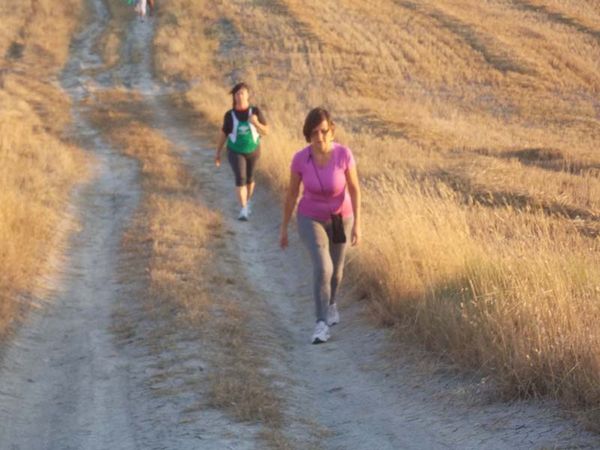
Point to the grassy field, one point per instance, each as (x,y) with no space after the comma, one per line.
(39,168)
(476,127)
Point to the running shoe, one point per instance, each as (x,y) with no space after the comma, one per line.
(333,316)
(243,213)
(321,333)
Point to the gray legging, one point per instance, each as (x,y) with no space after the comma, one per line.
(327,259)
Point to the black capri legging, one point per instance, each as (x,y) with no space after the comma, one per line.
(243,165)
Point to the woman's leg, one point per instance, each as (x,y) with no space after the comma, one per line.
(251,163)
(338,255)
(242,195)
(314,236)
(238,165)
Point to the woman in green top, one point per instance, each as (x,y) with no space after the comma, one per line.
(242,128)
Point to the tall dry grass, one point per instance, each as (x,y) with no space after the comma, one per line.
(512,293)
(38,167)
(476,129)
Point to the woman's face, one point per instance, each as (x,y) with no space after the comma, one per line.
(241,97)
(322,136)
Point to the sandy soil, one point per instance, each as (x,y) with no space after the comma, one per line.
(65,384)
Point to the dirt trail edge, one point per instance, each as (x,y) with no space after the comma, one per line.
(65,385)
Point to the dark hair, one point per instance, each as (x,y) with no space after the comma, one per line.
(236,88)
(314,119)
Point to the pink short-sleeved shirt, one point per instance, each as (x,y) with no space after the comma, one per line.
(318,203)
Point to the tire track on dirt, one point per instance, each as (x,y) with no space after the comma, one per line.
(64,385)
(188,396)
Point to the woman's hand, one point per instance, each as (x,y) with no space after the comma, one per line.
(288,207)
(219,148)
(254,120)
(356,234)
(283,237)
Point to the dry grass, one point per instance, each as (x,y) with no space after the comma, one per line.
(187,290)
(476,129)
(39,169)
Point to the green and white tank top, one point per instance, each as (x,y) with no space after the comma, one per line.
(244,137)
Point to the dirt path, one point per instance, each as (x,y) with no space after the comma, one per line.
(64,384)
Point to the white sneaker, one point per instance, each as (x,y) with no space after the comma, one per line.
(333,316)
(249,206)
(243,213)
(321,333)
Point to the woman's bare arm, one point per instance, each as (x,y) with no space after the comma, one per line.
(355,196)
(220,143)
(288,207)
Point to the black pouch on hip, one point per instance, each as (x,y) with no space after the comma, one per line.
(338,236)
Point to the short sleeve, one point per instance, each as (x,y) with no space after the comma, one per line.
(349,161)
(227,123)
(261,117)
(297,164)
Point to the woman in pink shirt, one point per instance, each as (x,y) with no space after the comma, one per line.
(327,171)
